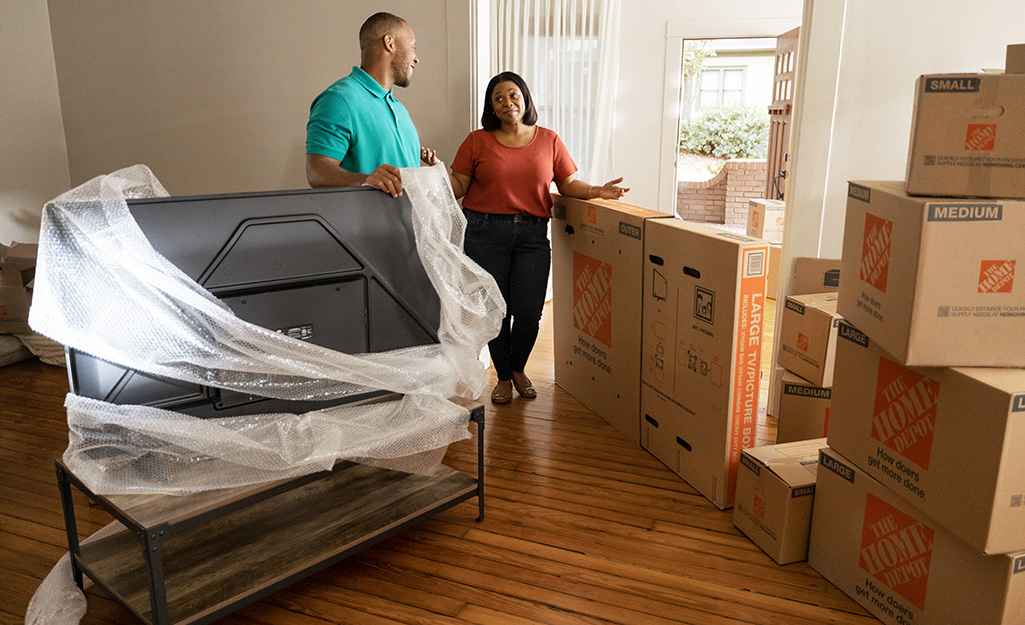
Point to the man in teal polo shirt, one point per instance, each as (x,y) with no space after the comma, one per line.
(358,133)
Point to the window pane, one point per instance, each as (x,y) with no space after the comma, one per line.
(733,79)
(710,80)
(708,98)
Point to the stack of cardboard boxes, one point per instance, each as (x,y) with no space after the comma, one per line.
(807,348)
(17,268)
(920,497)
(658,326)
(765,221)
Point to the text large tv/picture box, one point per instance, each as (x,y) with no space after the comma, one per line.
(937,282)
(966,134)
(597,251)
(948,440)
(901,565)
(704,304)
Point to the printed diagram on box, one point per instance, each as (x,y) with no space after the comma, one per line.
(659,286)
(693,359)
(704,304)
(659,332)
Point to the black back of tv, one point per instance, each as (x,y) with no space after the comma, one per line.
(336,267)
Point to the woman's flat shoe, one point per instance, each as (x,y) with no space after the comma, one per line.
(502,393)
(526,391)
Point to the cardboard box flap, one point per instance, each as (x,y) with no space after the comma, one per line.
(559,207)
(794,463)
(1015,62)
(23,255)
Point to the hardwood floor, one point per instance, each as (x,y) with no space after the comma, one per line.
(581,527)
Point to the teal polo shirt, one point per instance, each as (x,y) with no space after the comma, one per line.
(359,123)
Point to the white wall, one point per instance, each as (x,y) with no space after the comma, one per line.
(853,113)
(33,158)
(214,96)
(759,76)
(639,105)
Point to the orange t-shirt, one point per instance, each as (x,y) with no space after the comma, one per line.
(510,181)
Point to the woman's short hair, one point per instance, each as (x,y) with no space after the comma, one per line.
(489,120)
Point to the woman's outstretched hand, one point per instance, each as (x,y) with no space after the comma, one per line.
(611,189)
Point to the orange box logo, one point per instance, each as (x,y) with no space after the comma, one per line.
(592,215)
(981,137)
(592,297)
(802,342)
(758,506)
(896,549)
(875,251)
(996,276)
(905,411)
(754,219)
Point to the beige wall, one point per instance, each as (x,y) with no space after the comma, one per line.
(214,96)
(33,158)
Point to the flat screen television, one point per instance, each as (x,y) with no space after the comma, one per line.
(336,267)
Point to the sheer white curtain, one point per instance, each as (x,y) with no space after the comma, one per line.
(568,52)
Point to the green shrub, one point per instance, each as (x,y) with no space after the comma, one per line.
(738,130)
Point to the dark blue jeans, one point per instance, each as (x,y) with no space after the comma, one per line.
(515,250)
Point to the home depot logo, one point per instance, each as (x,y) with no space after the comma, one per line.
(980,137)
(754,219)
(905,411)
(996,276)
(758,507)
(802,342)
(592,297)
(592,215)
(896,549)
(875,251)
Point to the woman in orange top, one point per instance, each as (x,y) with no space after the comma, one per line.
(504,173)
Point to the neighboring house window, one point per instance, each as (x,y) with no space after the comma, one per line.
(722,85)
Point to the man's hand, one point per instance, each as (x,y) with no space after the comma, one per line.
(428,156)
(386,178)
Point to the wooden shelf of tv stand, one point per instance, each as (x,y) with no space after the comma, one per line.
(221,550)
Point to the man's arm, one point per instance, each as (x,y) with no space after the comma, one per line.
(324,171)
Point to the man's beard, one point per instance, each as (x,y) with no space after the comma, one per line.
(401,74)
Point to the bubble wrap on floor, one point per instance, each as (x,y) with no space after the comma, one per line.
(101,288)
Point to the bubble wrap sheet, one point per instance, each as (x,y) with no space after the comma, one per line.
(101,288)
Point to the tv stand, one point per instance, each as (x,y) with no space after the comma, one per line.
(194,559)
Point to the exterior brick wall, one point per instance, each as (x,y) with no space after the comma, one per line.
(724,198)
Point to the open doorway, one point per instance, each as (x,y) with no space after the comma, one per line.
(724,104)
(759,36)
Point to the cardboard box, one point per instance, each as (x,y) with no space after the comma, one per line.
(776,374)
(772,276)
(704,305)
(597,253)
(1015,59)
(775,490)
(899,564)
(17,269)
(948,440)
(803,411)
(933,280)
(966,135)
(815,275)
(807,336)
(765,219)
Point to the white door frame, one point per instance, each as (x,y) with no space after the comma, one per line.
(676,33)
